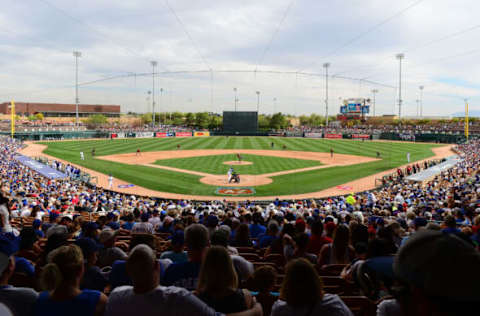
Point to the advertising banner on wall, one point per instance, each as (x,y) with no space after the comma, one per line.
(163,135)
(113,135)
(183,134)
(314,135)
(364,136)
(333,136)
(201,134)
(120,135)
(143,134)
(275,134)
(294,134)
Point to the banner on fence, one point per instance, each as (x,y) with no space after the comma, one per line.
(333,136)
(39,167)
(364,136)
(294,134)
(143,134)
(183,134)
(314,135)
(275,134)
(163,135)
(201,134)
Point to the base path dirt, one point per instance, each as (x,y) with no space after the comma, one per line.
(237,163)
(362,184)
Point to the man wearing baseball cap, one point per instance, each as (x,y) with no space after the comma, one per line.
(19,300)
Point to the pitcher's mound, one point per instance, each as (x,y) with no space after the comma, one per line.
(238,163)
(245,180)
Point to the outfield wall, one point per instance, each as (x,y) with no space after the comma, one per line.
(60,135)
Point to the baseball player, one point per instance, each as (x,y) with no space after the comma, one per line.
(110,181)
(229,174)
(82,156)
(408,157)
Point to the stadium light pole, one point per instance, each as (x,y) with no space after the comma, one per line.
(258,100)
(374,91)
(154,64)
(326,65)
(148,98)
(236,99)
(418,107)
(160,107)
(421,100)
(400,57)
(77,55)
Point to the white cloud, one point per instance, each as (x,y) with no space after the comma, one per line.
(117,37)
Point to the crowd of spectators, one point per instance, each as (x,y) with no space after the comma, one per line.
(404,249)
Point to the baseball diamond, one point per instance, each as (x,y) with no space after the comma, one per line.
(197,170)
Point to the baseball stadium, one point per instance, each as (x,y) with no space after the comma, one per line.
(244,158)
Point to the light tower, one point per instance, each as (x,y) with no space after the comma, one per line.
(421,100)
(154,64)
(77,55)
(236,99)
(326,65)
(258,100)
(374,91)
(400,57)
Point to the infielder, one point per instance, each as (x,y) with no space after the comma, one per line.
(82,156)
(408,157)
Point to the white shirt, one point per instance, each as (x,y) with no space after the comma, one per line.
(331,305)
(162,300)
(6,220)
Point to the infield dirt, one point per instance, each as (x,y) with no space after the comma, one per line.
(148,158)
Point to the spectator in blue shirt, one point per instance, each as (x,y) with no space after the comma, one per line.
(451,224)
(266,240)
(177,254)
(257,227)
(185,274)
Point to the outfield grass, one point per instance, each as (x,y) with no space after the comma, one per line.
(215,164)
(393,154)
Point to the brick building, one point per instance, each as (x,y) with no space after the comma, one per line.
(60,110)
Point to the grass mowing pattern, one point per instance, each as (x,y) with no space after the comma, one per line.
(261,164)
(392,154)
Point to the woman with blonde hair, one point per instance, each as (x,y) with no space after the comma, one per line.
(302,294)
(218,283)
(61,279)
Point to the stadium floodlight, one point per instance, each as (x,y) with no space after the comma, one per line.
(258,99)
(160,107)
(77,55)
(374,91)
(236,99)
(326,65)
(421,100)
(400,57)
(154,64)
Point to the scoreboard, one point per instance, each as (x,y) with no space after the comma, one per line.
(355,108)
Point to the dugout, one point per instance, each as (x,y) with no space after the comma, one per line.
(241,123)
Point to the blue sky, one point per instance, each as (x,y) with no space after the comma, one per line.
(359,39)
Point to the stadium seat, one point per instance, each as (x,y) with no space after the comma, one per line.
(360,305)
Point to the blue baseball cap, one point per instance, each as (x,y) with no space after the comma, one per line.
(88,246)
(9,245)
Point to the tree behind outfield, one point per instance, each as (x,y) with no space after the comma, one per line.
(96,120)
(278,121)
